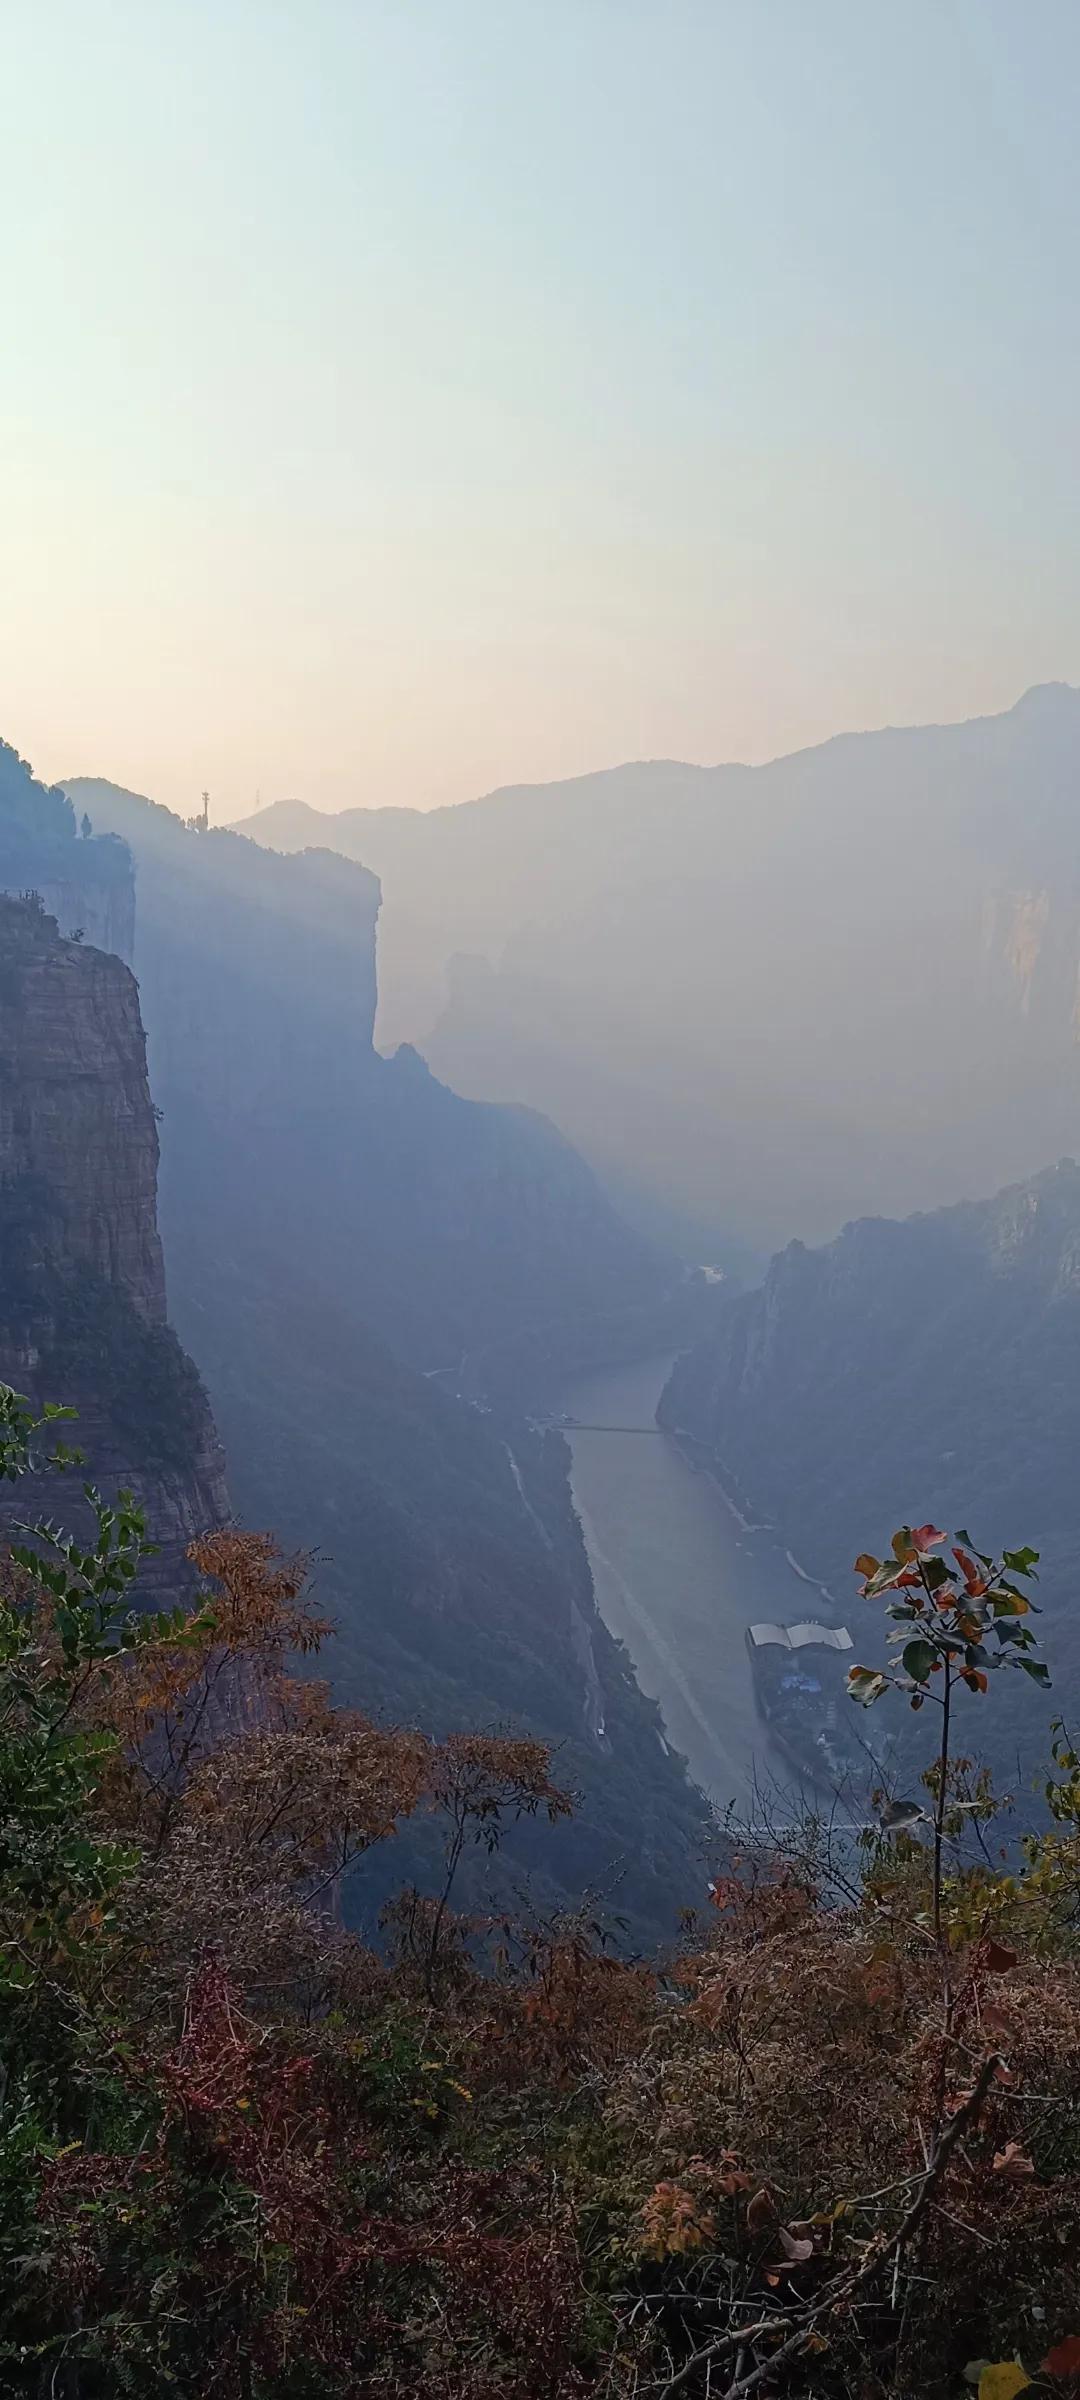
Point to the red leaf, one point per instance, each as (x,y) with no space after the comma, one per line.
(927,1537)
(997,1957)
(762,2214)
(1064,2358)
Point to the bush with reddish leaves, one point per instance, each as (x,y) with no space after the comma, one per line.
(833,2149)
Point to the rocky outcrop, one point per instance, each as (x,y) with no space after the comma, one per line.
(76,1120)
(82,1285)
(88,903)
(85,880)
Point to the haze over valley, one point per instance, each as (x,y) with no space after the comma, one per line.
(756,1017)
(761,1000)
(539,1201)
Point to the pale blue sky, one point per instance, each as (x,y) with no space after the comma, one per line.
(406,396)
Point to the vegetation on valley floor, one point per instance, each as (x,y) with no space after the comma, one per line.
(832,2149)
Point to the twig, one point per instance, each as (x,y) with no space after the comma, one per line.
(843,2285)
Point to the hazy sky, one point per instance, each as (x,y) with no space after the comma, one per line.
(402,397)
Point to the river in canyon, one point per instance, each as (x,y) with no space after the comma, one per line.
(678,1578)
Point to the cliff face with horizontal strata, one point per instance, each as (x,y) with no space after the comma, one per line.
(82,1285)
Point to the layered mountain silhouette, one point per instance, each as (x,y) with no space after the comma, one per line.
(349,1248)
(762,1000)
(471,1237)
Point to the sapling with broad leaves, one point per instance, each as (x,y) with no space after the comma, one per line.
(956,1620)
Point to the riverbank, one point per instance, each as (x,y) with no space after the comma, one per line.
(679,1576)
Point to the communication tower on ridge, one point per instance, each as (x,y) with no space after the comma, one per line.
(202,821)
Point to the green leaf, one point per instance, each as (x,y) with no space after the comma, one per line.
(1036,1668)
(919,1658)
(886,1576)
(1020,1562)
(898,1813)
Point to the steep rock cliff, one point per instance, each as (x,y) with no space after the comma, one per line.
(335,1222)
(470,1237)
(82,1286)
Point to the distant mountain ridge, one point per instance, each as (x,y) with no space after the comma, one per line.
(770,998)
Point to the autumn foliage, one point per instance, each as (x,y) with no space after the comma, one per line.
(830,2148)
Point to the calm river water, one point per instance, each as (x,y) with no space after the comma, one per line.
(678,1579)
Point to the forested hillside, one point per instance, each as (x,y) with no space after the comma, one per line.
(934,1361)
(830,2150)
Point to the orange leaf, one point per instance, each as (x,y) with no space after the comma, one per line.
(865,1565)
(1014,2162)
